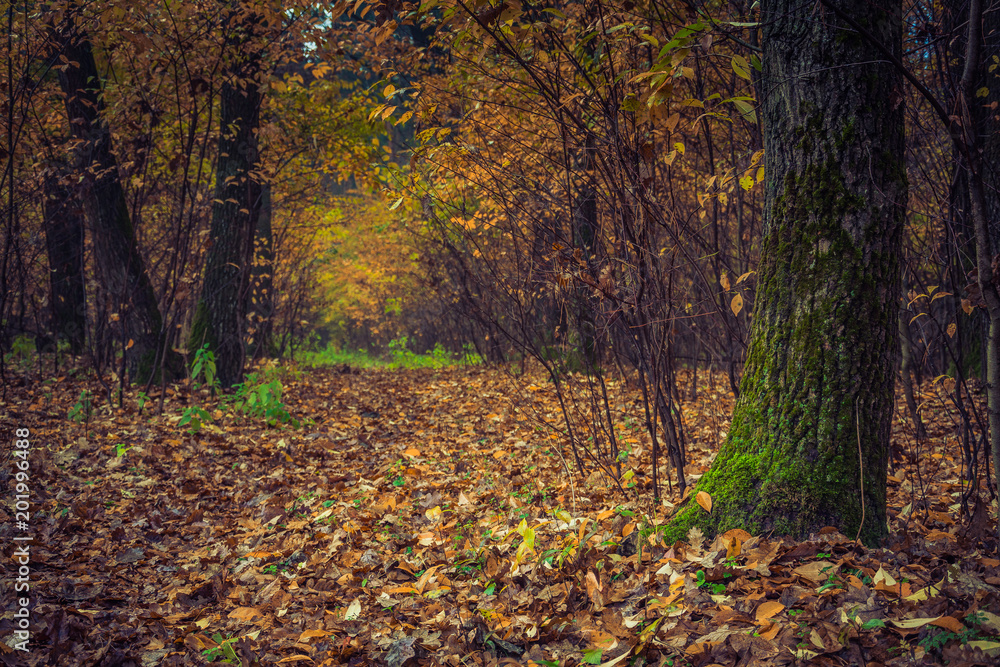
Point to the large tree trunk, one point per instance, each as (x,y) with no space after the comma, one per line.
(63,224)
(809,441)
(220,316)
(120,264)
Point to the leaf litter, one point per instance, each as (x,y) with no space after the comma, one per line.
(427,517)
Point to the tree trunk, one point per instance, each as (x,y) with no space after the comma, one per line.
(63,224)
(120,265)
(219,318)
(809,441)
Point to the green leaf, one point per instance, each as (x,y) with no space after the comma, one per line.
(593,656)
(746,109)
(741,67)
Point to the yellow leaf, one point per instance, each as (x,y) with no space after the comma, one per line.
(128,346)
(911,623)
(736,305)
(724,281)
(952,328)
(679,147)
(741,67)
(705,500)
(926,593)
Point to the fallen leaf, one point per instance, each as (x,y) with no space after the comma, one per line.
(768,609)
(705,500)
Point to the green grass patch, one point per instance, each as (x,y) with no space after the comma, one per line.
(397,355)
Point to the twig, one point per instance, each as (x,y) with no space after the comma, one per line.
(861,463)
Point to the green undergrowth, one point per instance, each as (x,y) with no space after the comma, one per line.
(397,355)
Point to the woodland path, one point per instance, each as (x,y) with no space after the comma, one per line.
(424,517)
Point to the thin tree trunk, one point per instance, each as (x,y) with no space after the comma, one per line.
(968,140)
(219,319)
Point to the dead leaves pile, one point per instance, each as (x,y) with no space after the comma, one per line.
(421,517)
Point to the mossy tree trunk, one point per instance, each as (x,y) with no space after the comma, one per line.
(219,319)
(120,265)
(809,440)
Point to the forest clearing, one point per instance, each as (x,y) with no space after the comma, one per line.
(426,517)
(612,332)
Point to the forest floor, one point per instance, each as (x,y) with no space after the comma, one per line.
(428,517)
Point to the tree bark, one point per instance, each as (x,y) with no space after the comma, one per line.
(809,441)
(121,267)
(220,316)
(63,223)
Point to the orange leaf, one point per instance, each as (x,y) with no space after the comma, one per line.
(245,613)
(704,500)
(768,609)
(949,623)
(411,452)
(605,514)
(424,578)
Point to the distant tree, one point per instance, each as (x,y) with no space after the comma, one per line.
(809,440)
